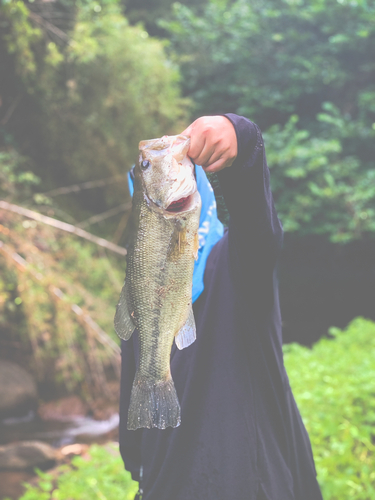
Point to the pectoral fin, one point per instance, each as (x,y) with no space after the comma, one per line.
(124,324)
(187,334)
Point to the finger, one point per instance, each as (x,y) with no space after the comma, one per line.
(207,155)
(216,156)
(216,166)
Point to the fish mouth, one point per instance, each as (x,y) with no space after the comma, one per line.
(176,207)
(180,205)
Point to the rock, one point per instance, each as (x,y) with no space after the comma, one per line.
(12,483)
(63,409)
(74,449)
(102,409)
(18,392)
(27,455)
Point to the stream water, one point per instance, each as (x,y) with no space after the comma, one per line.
(56,433)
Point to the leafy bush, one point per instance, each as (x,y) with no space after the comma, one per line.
(14,180)
(334,385)
(38,303)
(121,89)
(92,86)
(101,477)
(317,188)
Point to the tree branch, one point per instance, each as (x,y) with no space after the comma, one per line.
(105,215)
(75,188)
(49,27)
(69,228)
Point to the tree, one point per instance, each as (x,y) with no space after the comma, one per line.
(274,61)
(92,90)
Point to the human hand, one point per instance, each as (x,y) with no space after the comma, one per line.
(213,142)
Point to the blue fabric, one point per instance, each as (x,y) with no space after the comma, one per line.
(210,228)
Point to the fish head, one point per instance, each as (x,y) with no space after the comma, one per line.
(167,173)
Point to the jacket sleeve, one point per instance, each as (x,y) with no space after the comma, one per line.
(255,232)
(130,441)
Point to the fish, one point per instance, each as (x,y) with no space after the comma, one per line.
(156,298)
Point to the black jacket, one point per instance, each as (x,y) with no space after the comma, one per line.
(241,436)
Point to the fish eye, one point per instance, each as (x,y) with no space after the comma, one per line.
(145,164)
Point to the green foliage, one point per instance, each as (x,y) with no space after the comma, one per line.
(274,61)
(101,477)
(278,57)
(38,304)
(15,181)
(316,187)
(114,88)
(92,87)
(20,38)
(149,13)
(334,385)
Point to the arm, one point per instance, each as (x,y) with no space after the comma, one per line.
(255,232)
(233,147)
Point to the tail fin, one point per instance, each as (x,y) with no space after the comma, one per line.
(153,404)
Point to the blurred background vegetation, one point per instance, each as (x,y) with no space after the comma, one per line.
(82,81)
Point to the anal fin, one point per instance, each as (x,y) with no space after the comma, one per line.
(187,333)
(124,324)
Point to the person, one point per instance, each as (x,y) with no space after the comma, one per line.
(241,436)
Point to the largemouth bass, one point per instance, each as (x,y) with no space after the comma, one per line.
(157,294)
